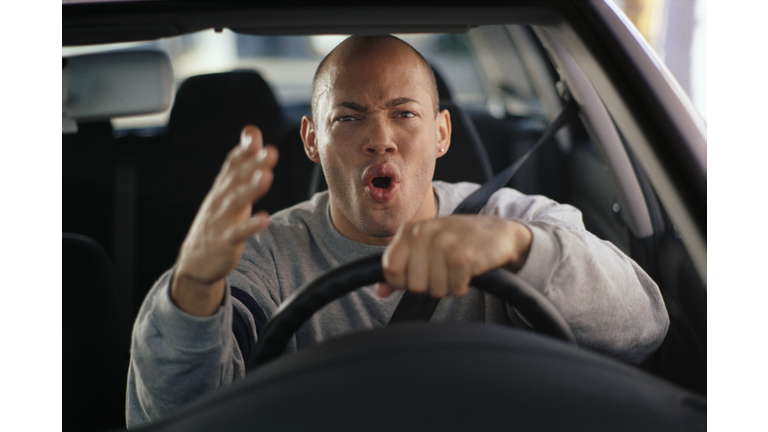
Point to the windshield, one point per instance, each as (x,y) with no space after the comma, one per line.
(288,64)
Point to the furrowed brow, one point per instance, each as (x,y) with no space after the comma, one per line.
(400,101)
(353,106)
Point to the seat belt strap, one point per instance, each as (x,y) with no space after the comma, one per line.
(478,199)
(421,307)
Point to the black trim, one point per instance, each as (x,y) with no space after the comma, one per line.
(239,326)
(414,307)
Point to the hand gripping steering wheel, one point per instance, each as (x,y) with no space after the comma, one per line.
(445,376)
(297,309)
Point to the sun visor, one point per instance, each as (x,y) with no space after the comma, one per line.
(115,84)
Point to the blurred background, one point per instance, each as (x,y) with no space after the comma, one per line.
(677,30)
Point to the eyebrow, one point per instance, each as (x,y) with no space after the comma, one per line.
(400,101)
(352,106)
(363,108)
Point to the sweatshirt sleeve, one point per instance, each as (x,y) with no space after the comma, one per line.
(177,357)
(611,304)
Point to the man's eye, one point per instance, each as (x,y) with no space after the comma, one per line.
(406,114)
(345,118)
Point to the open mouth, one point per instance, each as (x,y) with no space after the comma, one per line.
(381,182)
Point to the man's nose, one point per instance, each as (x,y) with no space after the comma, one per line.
(379,138)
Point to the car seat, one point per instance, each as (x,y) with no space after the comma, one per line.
(466,159)
(95,338)
(205,123)
(176,172)
(88,160)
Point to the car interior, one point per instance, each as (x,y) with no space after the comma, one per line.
(133,180)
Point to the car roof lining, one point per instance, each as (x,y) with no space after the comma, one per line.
(88,24)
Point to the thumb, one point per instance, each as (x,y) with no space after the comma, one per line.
(383,289)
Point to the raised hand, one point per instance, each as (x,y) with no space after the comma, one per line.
(215,242)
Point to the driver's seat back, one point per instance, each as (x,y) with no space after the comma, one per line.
(95,338)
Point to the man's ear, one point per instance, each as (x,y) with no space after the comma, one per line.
(309,136)
(443,132)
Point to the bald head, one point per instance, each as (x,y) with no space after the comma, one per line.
(355,46)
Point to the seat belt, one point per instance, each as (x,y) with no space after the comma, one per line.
(421,307)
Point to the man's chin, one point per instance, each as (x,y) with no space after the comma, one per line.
(380,232)
(382,229)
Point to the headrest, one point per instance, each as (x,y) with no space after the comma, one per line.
(213,108)
(114,84)
(466,159)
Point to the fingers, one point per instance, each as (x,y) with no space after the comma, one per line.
(438,280)
(243,193)
(395,260)
(383,289)
(224,222)
(251,142)
(440,256)
(247,173)
(458,276)
(420,259)
(250,227)
(245,159)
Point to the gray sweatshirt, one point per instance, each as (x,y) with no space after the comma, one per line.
(612,306)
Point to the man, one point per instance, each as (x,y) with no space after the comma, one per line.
(377,131)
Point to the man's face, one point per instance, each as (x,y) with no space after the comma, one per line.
(377,138)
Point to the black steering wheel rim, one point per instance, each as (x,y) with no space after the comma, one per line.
(538,311)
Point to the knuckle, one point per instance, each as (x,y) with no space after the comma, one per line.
(238,194)
(232,157)
(437,290)
(267,176)
(393,276)
(459,258)
(229,235)
(391,265)
(411,229)
(223,182)
(459,284)
(429,228)
(444,241)
(390,273)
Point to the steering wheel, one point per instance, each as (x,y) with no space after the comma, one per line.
(538,311)
(443,376)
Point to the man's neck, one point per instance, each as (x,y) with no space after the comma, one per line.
(348,229)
